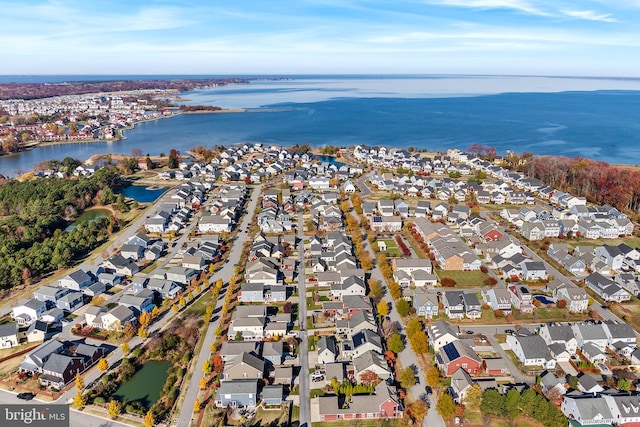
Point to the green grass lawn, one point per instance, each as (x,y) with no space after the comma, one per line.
(199,307)
(464,279)
(311,305)
(392,248)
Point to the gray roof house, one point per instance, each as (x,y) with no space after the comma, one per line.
(327,349)
(50,293)
(272,394)
(531,350)
(70,302)
(273,352)
(8,335)
(237,394)
(231,349)
(244,365)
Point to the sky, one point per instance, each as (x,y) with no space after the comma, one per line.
(522,37)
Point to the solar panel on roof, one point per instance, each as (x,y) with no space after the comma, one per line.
(451,351)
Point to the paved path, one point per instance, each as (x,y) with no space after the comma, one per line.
(225,273)
(303,377)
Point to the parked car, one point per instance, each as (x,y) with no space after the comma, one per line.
(26,396)
(469,332)
(509,331)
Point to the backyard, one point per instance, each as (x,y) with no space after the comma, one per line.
(463,279)
(392,248)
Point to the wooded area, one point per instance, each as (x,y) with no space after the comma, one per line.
(35,214)
(599,182)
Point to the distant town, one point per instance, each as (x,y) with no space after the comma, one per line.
(34,113)
(283,286)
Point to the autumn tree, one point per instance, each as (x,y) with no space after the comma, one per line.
(419,410)
(446,407)
(115,408)
(448,282)
(196,405)
(395,290)
(407,377)
(143,332)
(79,382)
(206,367)
(203,383)
(217,364)
(124,347)
(144,318)
(474,397)
(103,365)
(98,300)
(433,377)
(383,308)
(376,290)
(419,342)
(79,400)
(369,377)
(395,343)
(390,357)
(403,307)
(149,419)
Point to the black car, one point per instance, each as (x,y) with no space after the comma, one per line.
(26,396)
(509,331)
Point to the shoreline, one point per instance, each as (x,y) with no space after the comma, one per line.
(35,145)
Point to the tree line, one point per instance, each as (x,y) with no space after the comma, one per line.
(599,182)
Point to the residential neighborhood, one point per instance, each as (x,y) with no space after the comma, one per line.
(381,285)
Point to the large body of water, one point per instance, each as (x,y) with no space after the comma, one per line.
(595,118)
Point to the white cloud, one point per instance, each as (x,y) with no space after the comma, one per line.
(589,15)
(518,5)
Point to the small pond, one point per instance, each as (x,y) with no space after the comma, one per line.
(142,193)
(88,216)
(146,385)
(331,160)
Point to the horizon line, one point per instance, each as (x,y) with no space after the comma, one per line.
(565,76)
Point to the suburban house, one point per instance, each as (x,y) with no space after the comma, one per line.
(521,298)
(577,299)
(425,303)
(231,349)
(9,335)
(27,313)
(531,350)
(497,299)
(76,281)
(457,355)
(241,393)
(383,404)
(61,368)
(441,334)
(243,366)
(327,349)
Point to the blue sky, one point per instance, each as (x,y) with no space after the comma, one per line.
(541,37)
